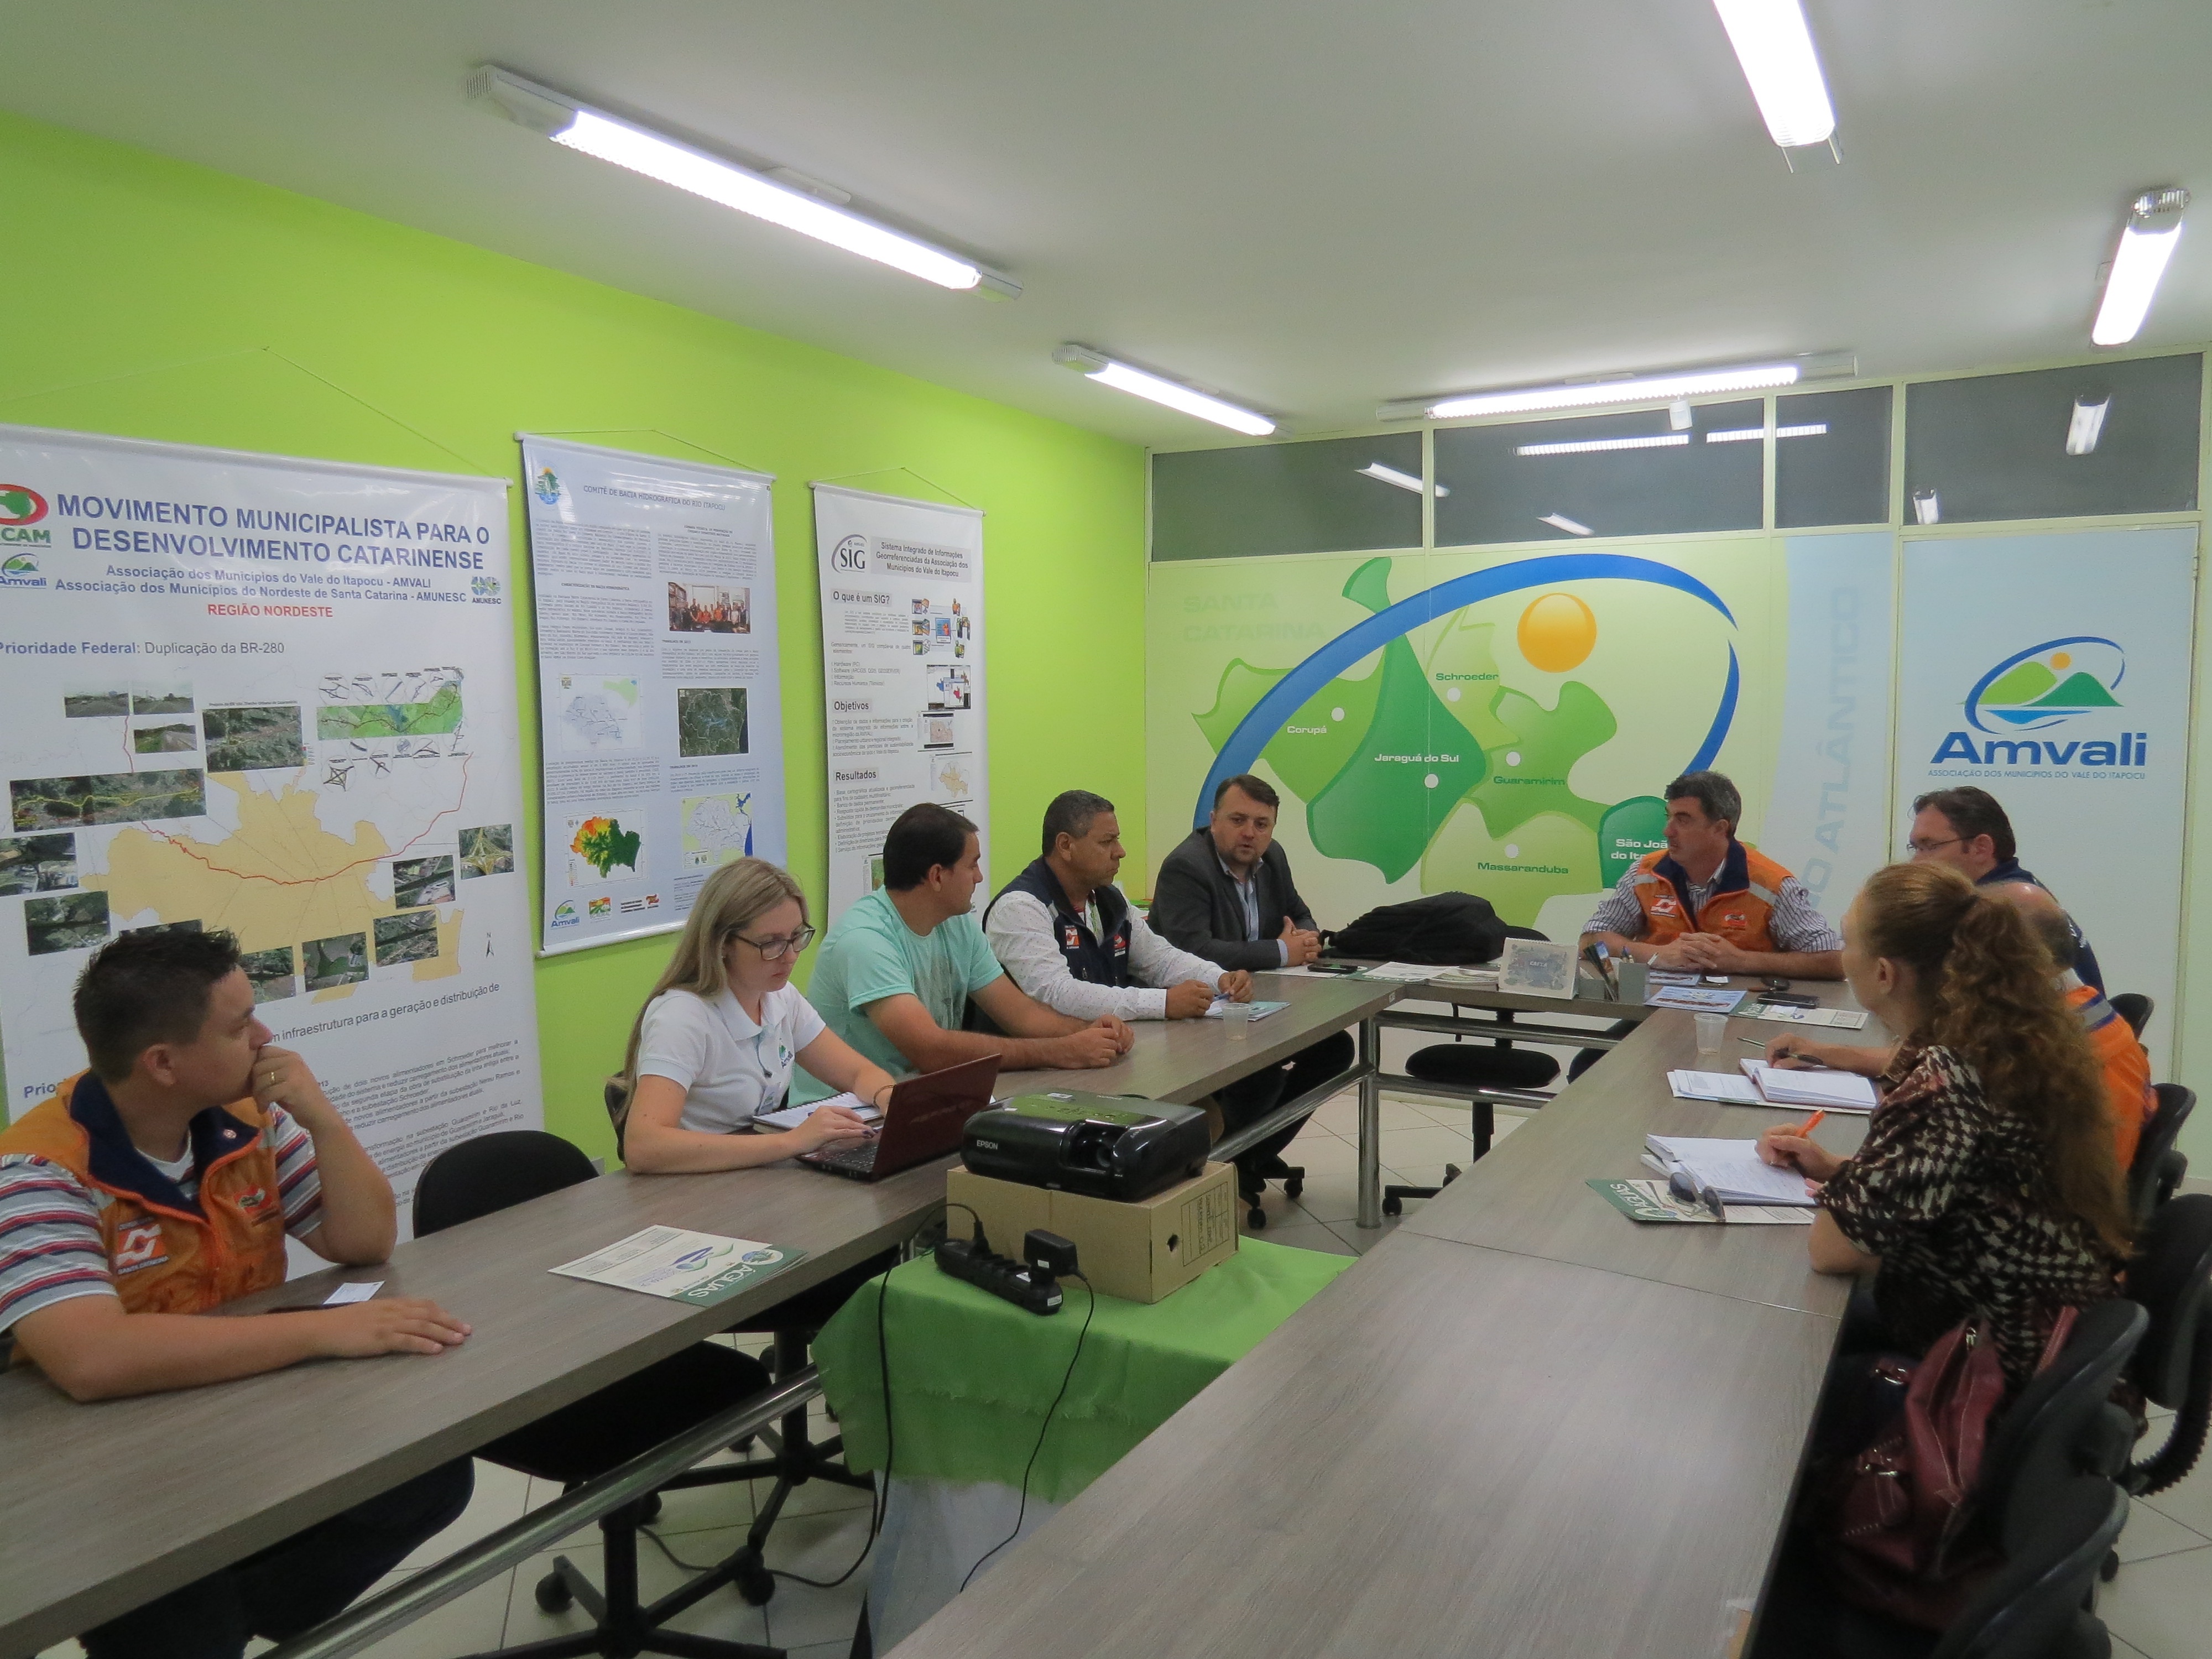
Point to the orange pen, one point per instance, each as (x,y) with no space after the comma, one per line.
(1805,1129)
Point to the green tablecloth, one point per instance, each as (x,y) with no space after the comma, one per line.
(971,1375)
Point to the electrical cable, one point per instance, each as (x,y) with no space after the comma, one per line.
(880,1500)
(1067,1377)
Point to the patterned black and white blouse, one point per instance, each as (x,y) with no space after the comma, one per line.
(1948,1192)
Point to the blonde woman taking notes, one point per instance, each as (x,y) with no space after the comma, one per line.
(714,1045)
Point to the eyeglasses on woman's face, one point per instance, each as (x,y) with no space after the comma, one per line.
(776,947)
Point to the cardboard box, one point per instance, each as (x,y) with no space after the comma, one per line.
(1140,1252)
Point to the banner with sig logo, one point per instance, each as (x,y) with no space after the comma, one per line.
(901,671)
(2053,670)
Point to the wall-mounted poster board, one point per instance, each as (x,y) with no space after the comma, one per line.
(659,708)
(902,671)
(277,697)
(2053,670)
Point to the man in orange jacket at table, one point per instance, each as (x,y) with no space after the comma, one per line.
(1712,905)
(162,1183)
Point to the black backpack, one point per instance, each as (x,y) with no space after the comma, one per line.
(1443,930)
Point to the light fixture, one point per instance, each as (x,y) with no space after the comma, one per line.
(1108,371)
(2087,424)
(1926,509)
(1667,386)
(577,125)
(1775,46)
(1599,445)
(2154,227)
(1561,521)
(1390,475)
(1744,435)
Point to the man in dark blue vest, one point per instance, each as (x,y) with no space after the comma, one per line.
(1068,937)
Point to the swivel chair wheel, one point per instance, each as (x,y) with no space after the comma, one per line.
(1256,1217)
(554,1595)
(648,1509)
(1394,1205)
(756,1584)
(1296,1186)
(2110,1569)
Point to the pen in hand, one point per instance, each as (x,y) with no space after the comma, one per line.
(1804,1131)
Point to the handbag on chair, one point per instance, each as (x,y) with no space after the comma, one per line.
(1893,1522)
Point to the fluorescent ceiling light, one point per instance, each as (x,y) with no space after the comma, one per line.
(1586,394)
(1925,506)
(1598,446)
(1561,521)
(1107,371)
(1744,435)
(2154,227)
(1775,46)
(1390,475)
(2087,426)
(579,127)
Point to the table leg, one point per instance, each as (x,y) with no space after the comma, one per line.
(1371,1124)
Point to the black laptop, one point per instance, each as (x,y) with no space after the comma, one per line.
(924,1119)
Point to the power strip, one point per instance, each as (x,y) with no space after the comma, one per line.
(1001,1275)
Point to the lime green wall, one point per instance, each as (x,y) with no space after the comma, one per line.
(157,300)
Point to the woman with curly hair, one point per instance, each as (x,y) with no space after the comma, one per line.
(1987,1184)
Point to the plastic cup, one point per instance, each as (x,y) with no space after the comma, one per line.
(1238,1017)
(1712,1031)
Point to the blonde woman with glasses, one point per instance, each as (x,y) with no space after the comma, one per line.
(715,1043)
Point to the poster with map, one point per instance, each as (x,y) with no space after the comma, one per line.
(1505,723)
(274,696)
(902,671)
(656,583)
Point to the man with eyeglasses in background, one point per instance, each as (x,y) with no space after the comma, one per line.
(1965,828)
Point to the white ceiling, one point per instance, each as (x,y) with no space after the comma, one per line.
(1308,207)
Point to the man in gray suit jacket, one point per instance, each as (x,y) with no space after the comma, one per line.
(1229,886)
(1226,894)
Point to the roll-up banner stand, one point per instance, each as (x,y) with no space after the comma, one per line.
(276,696)
(659,707)
(902,671)
(2053,670)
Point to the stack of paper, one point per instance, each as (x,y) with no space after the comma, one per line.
(1406,973)
(1698,999)
(1219,1008)
(1836,1092)
(1714,1086)
(1731,1168)
(791,1116)
(1848,1019)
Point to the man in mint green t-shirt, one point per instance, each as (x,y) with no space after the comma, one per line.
(896,971)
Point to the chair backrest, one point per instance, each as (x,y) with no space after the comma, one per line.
(491,1172)
(2032,1608)
(2054,1430)
(616,1093)
(2159,1134)
(2171,1278)
(2134,1007)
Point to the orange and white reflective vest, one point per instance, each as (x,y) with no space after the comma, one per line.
(168,1254)
(2126,1066)
(1745,893)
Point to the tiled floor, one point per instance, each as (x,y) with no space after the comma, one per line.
(2159,1607)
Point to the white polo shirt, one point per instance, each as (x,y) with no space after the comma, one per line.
(728,1067)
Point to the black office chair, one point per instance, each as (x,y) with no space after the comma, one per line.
(796,1456)
(2134,1007)
(2159,1165)
(2171,1278)
(2061,1438)
(584,1440)
(1487,1062)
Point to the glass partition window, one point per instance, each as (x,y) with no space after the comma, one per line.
(1831,458)
(1629,474)
(2103,438)
(1328,495)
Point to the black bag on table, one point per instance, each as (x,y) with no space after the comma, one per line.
(1443,929)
